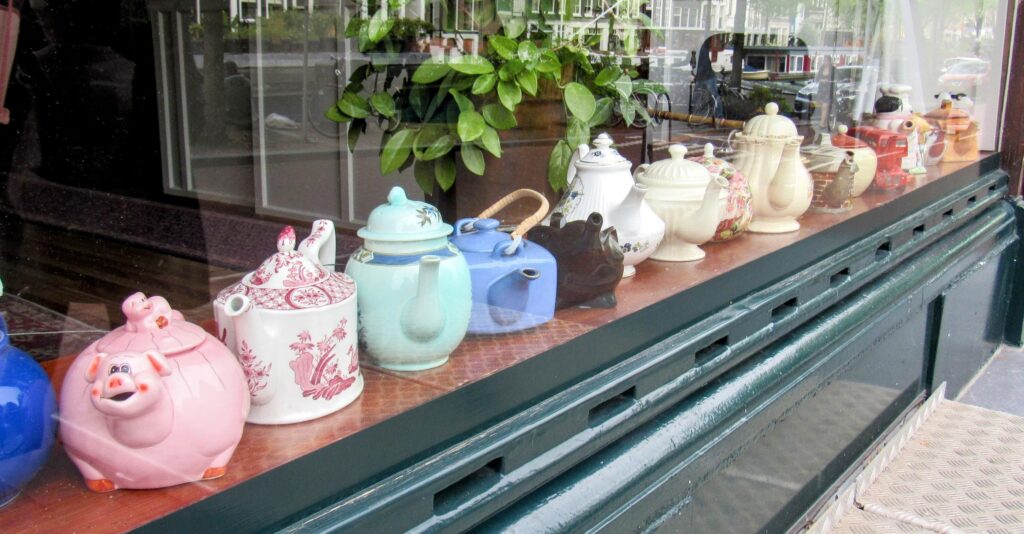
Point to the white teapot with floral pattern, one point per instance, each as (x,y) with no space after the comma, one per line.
(292,324)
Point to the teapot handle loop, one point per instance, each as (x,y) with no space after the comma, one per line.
(527,223)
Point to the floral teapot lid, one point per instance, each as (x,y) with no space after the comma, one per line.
(402,219)
(152,325)
(771,125)
(685,179)
(601,155)
(296,279)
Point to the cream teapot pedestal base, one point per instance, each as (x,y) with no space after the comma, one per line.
(773,225)
(678,252)
(417,365)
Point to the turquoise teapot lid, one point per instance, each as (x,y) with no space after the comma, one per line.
(401,219)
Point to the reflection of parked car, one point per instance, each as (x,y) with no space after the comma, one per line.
(966,73)
(848,86)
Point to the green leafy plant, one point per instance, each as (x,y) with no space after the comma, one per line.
(450,109)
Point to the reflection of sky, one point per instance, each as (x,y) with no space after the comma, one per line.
(10,395)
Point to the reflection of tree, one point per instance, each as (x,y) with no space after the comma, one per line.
(213,74)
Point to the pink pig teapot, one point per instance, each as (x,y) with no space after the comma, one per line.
(292,323)
(154,403)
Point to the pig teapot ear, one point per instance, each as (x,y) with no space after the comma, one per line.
(94,366)
(159,362)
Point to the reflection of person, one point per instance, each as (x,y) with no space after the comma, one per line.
(237,96)
(705,83)
(826,93)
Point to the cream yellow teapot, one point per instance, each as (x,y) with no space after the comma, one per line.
(768,154)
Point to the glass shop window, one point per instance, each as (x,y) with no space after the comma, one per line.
(162,146)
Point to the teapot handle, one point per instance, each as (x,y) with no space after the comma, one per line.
(320,246)
(640,169)
(527,223)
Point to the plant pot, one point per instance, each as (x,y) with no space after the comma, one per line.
(524,163)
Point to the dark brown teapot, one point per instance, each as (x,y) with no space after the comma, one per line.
(589,260)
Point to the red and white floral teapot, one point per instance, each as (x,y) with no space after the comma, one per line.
(292,324)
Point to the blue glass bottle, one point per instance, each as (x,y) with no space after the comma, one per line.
(28,419)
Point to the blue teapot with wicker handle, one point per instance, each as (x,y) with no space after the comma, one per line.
(514,280)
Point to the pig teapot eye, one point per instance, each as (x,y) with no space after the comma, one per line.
(125,368)
(114,369)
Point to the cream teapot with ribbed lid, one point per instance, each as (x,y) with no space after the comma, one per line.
(768,154)
(688,198)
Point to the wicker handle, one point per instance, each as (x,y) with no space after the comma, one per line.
(527,223)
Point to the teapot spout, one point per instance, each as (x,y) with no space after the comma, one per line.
(707,215)
(248,340)
(508,295)
(626,217)
(423,318)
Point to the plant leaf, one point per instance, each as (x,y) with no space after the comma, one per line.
(430,71)
(491,142)
(471,65)
(441,146)
(426,137)
(499,117)
(354,106)
(396,151)
(444,172)
(580,100)
(352,29)
(383,103)
(558,165)
(514,26)
(473,159)
(527,81)
(379,26)
(528,51)
(578,132)
(624,86)
(424,173)
(419,100)
(607,76)
(602,112)
(510,95)
(335,114)
(463,83)
(471,125)
(485,83)
(355,129)
(503,46)
(627,110)
(548,63)
(463,102)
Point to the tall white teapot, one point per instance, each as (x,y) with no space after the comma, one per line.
(768,154)
(600,181)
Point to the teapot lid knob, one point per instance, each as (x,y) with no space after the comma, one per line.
(709,150)
(843,129)
(286,239)
(771,108)
(677,151)
(603,141)
(397,196)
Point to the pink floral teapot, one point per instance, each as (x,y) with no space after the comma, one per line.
(292,323)
(154,403)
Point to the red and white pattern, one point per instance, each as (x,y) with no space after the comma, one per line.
(335,288)
(317,370)
(256,372)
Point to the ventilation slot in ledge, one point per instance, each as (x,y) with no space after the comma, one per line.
(883,251)
(711,351)
(992,188)
(450,498)
(839,278)
(948,214)
(972,199)
(918,231)
(784,310)
(604,411)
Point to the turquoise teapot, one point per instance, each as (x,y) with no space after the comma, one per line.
(413,294)
(514,280)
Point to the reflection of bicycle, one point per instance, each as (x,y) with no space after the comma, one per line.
(708,99)
(328,85)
